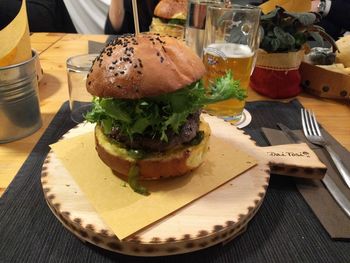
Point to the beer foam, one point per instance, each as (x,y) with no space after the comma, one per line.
(229,50)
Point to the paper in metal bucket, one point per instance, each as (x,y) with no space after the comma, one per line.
(19,100)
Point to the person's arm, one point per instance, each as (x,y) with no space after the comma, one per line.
(336,11)
(321,6)
(339,13)
(125,23)
(116,14)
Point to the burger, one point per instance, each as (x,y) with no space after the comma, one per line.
(148,97)
(170,17)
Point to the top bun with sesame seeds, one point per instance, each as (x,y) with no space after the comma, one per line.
(146,65)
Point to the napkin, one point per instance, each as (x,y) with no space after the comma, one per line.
(15,42)
(288,5)
(331,216)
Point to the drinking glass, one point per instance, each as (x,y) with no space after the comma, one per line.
(195,23)
(80,100)
(230,43)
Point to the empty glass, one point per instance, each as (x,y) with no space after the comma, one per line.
(80,100)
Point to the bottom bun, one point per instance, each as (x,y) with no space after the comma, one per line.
(167,164)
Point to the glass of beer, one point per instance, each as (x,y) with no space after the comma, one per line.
(230,44)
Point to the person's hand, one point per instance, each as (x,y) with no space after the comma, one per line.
(314,5)
(116,13)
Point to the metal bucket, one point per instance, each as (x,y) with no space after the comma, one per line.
(19,100)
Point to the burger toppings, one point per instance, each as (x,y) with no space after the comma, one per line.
(158,21)
(134,182)
(161,122)
(187,132)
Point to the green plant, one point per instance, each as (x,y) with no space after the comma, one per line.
(283,31)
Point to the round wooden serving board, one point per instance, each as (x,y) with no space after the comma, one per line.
(216,217)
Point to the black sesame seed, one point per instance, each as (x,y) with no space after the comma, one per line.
(122,72)
(161,59)
(139,72)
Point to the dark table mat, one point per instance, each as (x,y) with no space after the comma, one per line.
(283,230)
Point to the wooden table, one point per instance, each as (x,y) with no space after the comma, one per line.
(54,49)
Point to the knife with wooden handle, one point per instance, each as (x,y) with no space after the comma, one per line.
(338,196)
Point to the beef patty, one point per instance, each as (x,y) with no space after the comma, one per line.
(187,132)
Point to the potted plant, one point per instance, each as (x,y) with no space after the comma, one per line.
(281,50)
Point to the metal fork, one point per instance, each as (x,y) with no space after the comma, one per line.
(313,134)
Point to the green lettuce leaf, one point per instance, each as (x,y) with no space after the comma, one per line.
(156,115)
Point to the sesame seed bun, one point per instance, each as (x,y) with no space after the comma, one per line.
(171,9)
(146,65)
